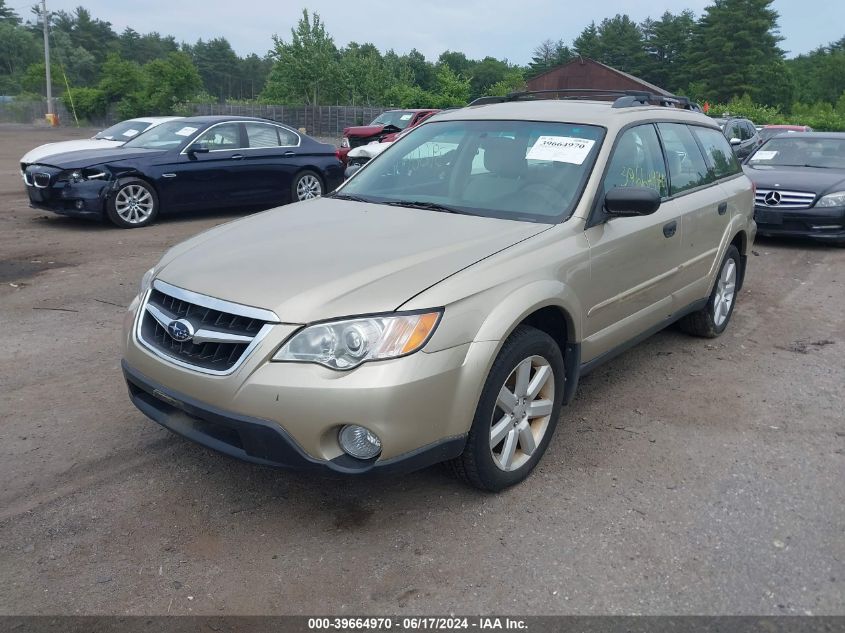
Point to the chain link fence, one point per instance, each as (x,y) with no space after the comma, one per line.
(324,121)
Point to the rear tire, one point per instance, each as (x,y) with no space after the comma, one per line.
(306,185)
(516,414)
(713,319)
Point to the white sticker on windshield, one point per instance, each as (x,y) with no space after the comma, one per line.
(131,133)
(405,117)
(765,155)
(186,131)
(562,149)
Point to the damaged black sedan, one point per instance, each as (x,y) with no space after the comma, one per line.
(191,164)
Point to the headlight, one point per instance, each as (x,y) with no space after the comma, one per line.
(344,142)
(147,280)
(832,200)
(346,344)
(80,175)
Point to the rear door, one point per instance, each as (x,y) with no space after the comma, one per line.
(633,260)
(272,158)
(698,157)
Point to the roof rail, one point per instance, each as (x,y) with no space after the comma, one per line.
(624,98)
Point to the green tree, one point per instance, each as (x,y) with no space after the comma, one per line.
(458,62)
(667,44)
(306,69)
(8,14)
(423,72)
(362,74)
(120,77)
(88,103)
(487,72)
(587,44)
(218,65)
(18,49)
(735,41)
(546,56)
(621,45)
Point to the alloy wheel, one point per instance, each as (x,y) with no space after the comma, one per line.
(134,204)
(308,187)
(725,292)
(522,413)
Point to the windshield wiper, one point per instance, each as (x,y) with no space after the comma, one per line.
(429,206)
(347,196)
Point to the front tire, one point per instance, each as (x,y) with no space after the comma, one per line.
(713,319)
(133,205)
(306,185)
(516,414)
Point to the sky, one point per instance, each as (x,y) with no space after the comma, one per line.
(505,30)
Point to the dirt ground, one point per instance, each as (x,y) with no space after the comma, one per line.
(689,476)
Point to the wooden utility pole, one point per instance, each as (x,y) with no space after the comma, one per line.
(45,21)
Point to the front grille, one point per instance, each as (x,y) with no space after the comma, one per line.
(358,141)
(784,199)
(217,355)
(41,180)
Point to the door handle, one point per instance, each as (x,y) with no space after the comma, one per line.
(669,228)
(237,156)
(723,208)
(289,154)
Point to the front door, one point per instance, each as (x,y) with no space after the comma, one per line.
(633,260)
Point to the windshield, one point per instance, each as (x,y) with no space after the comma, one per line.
(397,118)
(519,170)
(168,135)
(803,151)
(123,131)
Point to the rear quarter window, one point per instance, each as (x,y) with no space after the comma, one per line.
(723,162)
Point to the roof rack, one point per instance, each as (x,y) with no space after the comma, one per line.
(624,98)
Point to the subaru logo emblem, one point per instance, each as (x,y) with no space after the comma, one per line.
(180,330)
(772,198)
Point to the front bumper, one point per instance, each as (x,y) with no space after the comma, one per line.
(83,199)
(421,405)
(260,441)
(819,224)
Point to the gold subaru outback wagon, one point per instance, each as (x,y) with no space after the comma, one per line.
(442,304)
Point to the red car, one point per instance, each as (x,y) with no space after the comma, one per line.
(383,129)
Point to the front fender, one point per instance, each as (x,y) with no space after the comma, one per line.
(520,304)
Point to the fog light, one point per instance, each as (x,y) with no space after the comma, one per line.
(79,204)
(359,442)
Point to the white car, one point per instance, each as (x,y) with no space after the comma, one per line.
(114,136)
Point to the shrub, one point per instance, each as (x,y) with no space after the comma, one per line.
(89,103)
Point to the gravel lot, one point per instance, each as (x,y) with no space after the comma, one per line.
(689,476)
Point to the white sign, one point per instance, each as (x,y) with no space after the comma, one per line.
(186,131)
(130,133)
(405,117)
(765,155)
(562,149)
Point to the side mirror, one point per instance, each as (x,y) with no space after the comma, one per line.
(198,148)
(735,141)
(631,201)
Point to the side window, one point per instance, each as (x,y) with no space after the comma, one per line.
(222,137)
(287,137)
(637,161)
(262,135)
(736,131)
(747,130)
(718,151)
(687,168)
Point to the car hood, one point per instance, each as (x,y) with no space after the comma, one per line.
(93,157)
(812,179)
(363,130)
(329,258)
(50,149)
